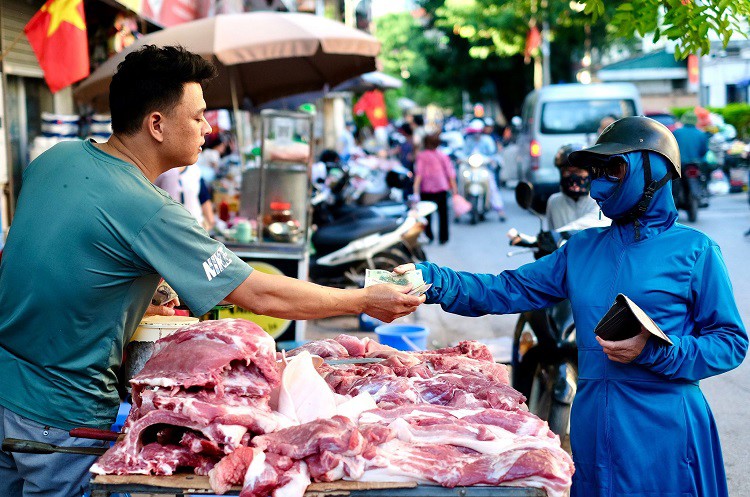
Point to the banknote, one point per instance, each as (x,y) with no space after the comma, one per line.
(420,289)
(413,278)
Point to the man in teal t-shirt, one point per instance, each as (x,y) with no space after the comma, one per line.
(90,239)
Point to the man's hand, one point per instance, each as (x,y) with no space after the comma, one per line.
(163,310)
(625,351)
(388,302)
(404,268)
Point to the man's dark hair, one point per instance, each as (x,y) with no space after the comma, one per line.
(152,79)
(431,142)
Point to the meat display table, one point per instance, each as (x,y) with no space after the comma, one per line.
(103,486)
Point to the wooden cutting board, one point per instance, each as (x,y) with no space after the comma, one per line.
(195,482)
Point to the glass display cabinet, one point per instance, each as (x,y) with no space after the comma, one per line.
(275,200)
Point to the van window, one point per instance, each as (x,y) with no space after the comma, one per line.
(581,116)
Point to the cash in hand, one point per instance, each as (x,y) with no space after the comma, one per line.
(376,276)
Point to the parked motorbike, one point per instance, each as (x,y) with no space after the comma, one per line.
(544,354)
(691,190)
(345,247)
(332,201)
(474,185)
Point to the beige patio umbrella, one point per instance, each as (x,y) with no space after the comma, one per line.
(260,56)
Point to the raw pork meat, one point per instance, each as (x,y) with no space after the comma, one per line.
(214,400)
(209,385)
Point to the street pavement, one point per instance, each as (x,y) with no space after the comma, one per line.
(484,248)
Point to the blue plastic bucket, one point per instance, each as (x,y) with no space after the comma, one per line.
(368,323)
(403,336)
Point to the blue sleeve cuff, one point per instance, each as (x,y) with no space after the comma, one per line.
(655,351)
(429,275)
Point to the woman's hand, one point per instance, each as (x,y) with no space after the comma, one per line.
(404,268)
(625,351)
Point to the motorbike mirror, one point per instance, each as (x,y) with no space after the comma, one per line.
(524,194)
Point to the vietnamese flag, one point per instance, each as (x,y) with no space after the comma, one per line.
(372,103)
(533,40)
(57,33)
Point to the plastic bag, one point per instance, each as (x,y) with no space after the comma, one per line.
(461,206)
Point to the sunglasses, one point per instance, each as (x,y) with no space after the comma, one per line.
(611,169)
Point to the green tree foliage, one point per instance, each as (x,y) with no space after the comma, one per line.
(686,21)
(436,65)
(408,53)
(477,46)
(464,44)
(500,28)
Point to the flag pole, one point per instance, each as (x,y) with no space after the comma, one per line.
(12,45)
(239,124)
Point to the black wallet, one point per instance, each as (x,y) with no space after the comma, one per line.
(624,320)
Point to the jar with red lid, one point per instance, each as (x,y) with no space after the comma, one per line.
(279,212)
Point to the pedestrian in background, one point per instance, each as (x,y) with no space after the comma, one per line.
(693,143)
(606,121)
(434,177)
(186,186)
(347,144)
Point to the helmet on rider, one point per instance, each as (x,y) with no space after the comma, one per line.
(626,136)
(474,127)
(574,181)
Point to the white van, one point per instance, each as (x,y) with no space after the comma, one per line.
(560,114)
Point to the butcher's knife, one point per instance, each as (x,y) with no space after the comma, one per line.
(354,360)
(32,447)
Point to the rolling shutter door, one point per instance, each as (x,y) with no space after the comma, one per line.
(14,15)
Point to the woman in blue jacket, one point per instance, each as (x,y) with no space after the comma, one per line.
(640,425)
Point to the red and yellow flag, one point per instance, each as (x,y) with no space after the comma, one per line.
(372,103)
(57,33)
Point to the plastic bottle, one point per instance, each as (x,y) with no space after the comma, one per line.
(224,211)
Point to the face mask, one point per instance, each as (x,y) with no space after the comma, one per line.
(617,197)
(567,183)
(602,189)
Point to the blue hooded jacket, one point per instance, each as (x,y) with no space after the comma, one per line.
(642,429)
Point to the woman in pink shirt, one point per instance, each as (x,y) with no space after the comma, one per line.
(434,177)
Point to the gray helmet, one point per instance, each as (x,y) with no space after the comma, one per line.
(631,134)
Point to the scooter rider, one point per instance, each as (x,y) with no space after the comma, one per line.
(477,142)
(640,425)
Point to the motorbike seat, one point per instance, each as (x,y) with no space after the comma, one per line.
(337,235)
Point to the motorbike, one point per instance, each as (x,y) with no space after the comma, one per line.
(691,190)
(345,247)
(332,201)
(544,353)
(474,178)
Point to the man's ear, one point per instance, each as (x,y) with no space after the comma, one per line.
(155,126)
